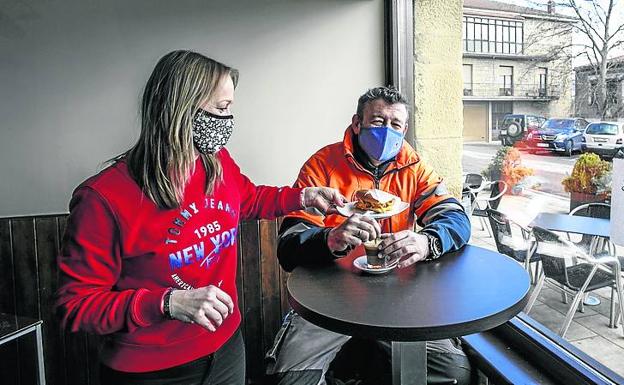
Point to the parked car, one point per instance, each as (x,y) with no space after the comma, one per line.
(515,127)
(560,135)
(604,138)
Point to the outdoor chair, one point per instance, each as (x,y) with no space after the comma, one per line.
(570,269)
(513,240)
(593,245)
(481,202)
(472,183)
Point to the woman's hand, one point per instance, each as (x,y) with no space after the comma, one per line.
(207,306)
(325,199)
(353,232)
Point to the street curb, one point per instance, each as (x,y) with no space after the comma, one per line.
(549,195)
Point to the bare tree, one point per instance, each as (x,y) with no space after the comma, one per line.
(600,35)
(603,35)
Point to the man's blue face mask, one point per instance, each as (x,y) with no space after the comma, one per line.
(380,143)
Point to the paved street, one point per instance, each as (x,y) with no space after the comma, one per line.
(549,168)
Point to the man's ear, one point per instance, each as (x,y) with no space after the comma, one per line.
(355,123)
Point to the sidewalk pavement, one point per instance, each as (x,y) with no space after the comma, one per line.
(589,330)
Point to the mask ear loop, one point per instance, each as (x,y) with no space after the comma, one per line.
(210,114)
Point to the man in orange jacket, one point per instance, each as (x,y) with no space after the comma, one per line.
(372,155)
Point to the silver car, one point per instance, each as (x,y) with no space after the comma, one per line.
(604,138)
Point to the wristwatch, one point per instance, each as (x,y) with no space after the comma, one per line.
(435,247)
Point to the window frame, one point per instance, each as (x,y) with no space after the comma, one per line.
(551,352)
(499,36)
(505,79)
(470,68)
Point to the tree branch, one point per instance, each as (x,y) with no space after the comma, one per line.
(618,30)
(590,30)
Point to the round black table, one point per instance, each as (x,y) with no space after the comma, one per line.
(464,292)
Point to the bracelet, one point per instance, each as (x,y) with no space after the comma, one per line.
(167,303)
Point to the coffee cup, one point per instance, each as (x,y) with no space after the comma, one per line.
(374,258)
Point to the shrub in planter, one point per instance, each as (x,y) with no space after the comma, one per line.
(590,180)
(507,166)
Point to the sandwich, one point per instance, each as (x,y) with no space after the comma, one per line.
(374,200)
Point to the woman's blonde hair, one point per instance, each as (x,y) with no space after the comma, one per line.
(162,160)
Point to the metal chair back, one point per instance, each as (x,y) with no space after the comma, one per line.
(511,238)
(593,210)
(473,181)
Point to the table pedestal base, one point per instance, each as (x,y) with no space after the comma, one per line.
(591,300)
(409,363)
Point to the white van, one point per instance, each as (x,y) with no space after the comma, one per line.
(604,138)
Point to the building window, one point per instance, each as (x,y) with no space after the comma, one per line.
(542,74)
(499,110)
(467,73)
(506,80)
(492,36)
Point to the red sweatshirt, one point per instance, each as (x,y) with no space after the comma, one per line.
(121,252)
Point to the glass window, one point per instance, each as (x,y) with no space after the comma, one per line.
(492,35)
(558,124)
(602,129)
(542,81)
(551,191)
(467,75)
(499,110)
(506,80)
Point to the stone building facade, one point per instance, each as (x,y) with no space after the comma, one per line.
(585,91)
(513,62)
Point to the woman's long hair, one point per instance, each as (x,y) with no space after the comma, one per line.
(163,158)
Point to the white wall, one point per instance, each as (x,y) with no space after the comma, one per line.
(72,71)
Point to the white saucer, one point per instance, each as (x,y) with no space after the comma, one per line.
(360,263)
(349,209)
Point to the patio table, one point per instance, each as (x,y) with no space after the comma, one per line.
(595,227)
(463,292)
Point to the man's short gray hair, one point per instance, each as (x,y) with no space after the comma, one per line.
(389,94)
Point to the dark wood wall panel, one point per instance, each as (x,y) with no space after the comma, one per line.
(250,249)
(26,288)
(47,247)
(270,279)
(29,279)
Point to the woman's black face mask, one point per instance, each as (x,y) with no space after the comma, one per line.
(211,132)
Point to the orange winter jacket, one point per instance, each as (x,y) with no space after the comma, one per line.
(407,177)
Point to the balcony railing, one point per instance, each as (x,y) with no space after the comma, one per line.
(517,91)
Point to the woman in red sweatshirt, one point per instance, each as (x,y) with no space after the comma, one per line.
(149,255)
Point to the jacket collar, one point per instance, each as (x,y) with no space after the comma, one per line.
(407,156)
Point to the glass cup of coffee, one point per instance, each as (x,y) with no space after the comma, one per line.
(374,258)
